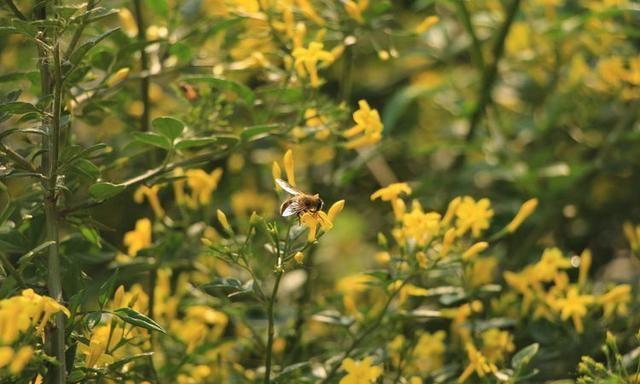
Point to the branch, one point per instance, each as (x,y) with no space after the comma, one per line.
(144,66)
(489,77)
(57,335)
(15,10)
(150,174)
(78,32)
(17,158)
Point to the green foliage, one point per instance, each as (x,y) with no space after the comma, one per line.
(140,234)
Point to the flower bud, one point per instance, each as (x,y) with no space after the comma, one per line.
(525,211)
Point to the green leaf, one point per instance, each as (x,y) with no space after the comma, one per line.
(241,90)
(195,142)
(91,235)
(168,127)
(18,108)
(93,15)
(87,168)
(524,356)
(24,27)
(82,50)
(104,190)
(108,288)
(225,139)
(153,139)
(128,359)
(258,131)
(138,319)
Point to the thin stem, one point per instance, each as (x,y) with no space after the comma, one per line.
(144,66)
(54,282)
(15,10)
(17,158)
(271,330)
(489,76)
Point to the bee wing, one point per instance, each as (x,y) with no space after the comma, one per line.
(287,187)
(293,208)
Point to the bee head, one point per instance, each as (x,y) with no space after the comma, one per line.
(320,204)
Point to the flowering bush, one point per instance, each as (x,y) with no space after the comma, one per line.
(306,191)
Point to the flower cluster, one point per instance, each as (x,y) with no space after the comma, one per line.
(22,317)
(547,291)
(368,128)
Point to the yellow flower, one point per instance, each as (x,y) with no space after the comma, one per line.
(633,75)
(101,342)
(248,201)
(632,233)
(459,318)
(289,167)
(309,11)
(135,298)
(419,226)
(313,220)
(399,208)
(474,250)
(335,209)
(482,271)
(21,359)
(6,356)
(276,172)
(585,264)
(307,59)
(496,344)
(118,77)
(202,185)
(452,208)
(355,8)
(426,24)
(521,282)
(525,211)
(472,215)
(353,288)
(447,241)
(360,372)
(428,354)
(151,194)
(382,257)
(478,363)
(128,22)
(422,259)
(222,218)
(573,306)
(391,192)
(552,261)
(616,300)
(611,71)
(139,238)
(316,121)
(299,257)
(407,290)
(368,127)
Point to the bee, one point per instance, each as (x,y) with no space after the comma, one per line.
(300,202)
